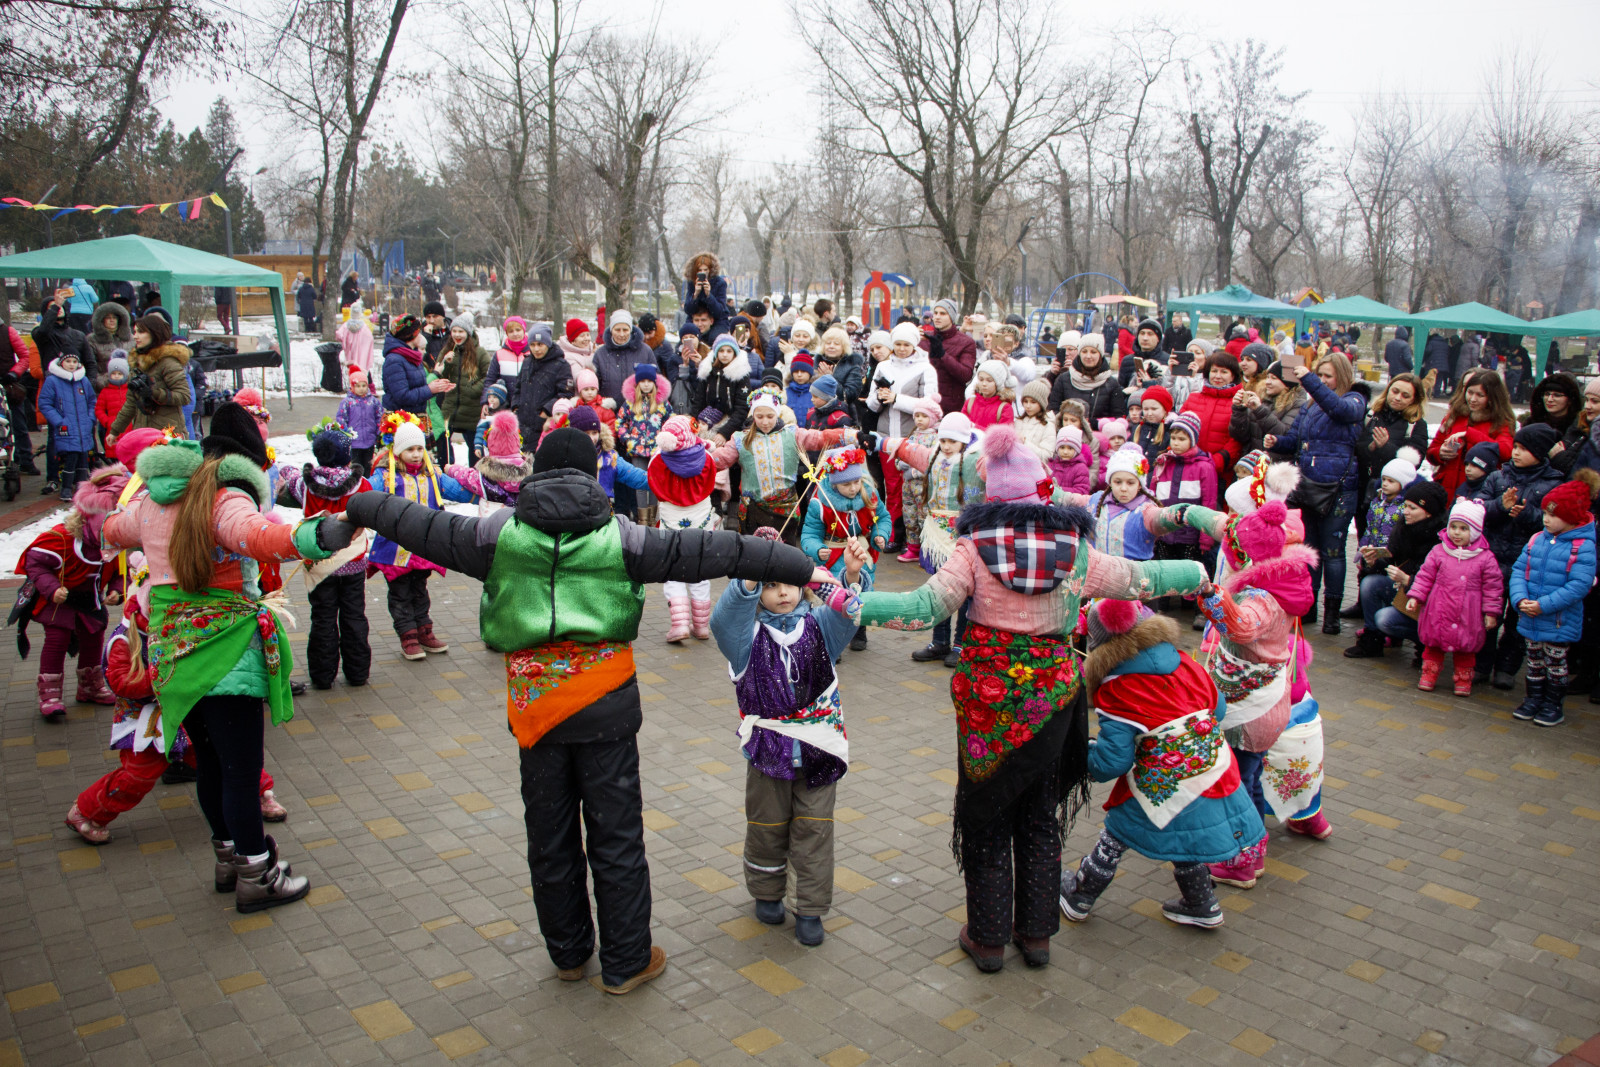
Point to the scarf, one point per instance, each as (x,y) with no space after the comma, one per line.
(517,347)
(412,355)
(686,462)
(1084,378)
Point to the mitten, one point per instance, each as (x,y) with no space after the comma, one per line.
(334,535)
(845,601)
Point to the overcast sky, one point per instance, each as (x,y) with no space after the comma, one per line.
(1338,52)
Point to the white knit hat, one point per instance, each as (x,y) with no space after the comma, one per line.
(1403,467)
(762,402)
(1092,340)
(408,435)
(956,427)
(880,337)
(905,332)
(1129,459)
(1071,337)
(999,372)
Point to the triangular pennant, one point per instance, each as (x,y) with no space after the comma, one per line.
(164,208)
(217,200)
(194,208)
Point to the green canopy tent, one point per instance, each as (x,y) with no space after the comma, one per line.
(139,259)
(1573,324)
(1469,316)
(1239,302)
(1365,309)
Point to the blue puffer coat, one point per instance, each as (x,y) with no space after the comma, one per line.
(405,384)
(1557,571)
(1212,829)
(1508,533)
(1323,439)
(67,402)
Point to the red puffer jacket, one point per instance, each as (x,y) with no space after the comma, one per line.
(1214,406)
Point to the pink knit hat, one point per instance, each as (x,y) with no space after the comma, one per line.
(1257,537)
(1014,472)
(504,439)
(585,379)
(930,407)
(1471,512)
(677,432)
(1069,435)
(1188,422)
(1114,428)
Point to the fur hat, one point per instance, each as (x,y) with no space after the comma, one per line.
(1108,618)
(1015,473)
(1129,459)
(1403,467)
(905,331)
(503,442)
(677,432)
(1069,435)
(1430,496)
(234,432)
(583,417)
(1569,502)
(330,445)
(1188,422)
(844,465)
(1538,438)
(1470,512)
(1039,390)
(956,427)
(1267,482)
(407,435)
(1159,394)
(930,407)
(1114,428)
(566,449)
(882,337)
(997,372)
(576,328)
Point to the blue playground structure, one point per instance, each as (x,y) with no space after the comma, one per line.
(1086,313)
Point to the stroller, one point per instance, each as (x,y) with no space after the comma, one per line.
(10,477)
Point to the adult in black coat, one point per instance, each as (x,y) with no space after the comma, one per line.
(1146,346)
(1436,357)
(1556,401)
(56,339)
(1091,380)
(623,349)
(584,763)
(349,290)
(305,299)
(539,384)
(1177,337)
(1397,353)
(705,289)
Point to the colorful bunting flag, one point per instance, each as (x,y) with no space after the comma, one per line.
(187,209)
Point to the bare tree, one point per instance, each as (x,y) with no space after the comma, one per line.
(1231,118)
(713,173)
(634,100)
(957,95)
(767,208)
(1380,174)
(1144,56)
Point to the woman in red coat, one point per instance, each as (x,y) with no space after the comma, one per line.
(1480,411)
(1213,405)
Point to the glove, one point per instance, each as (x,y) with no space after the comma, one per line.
(334,535)
(935,346)
(870,440)
(845,602)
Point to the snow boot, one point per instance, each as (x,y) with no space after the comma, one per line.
(858,643)
(96,833)
(700,617)
(429,642)
(1535,700)
(1035,950)
(678,611)
(1463,681)
(1243,869)
(265,883)
(225,876)
(808,930)
(987,958)
(1431,666)
(1330,616)
(50,705)
(92,688)
(1550,712)
(1369,645)
(271,810)
(410,648)
(1313,826)
(1198,905)
(770,912)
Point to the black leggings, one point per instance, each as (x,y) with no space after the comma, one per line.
(226,732)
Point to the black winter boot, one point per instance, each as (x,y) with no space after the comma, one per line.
(1198,906)
(1531,706)
(1310,617)
(1550,713)
(1330,615)
(1369,645)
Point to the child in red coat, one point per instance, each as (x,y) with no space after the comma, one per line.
(109,400)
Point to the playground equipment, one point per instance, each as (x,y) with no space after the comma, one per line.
(883,317)
(1038,316)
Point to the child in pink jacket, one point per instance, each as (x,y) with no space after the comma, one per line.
(1458,589)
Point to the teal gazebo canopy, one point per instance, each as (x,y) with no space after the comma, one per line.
(1469,316)
(1239,302)
(140,259)
(1573,324)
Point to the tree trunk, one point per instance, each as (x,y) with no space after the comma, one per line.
(1580,258)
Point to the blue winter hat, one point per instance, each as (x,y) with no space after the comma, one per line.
(644,372)
(844,465)
(1485,455)
(825,390)
(498,389)
(725,341)
(331,446)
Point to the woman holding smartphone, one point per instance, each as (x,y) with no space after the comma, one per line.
(1480,411)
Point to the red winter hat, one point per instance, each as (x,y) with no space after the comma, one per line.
(575,327)
(1159,394)
(802,361)
(1569,502)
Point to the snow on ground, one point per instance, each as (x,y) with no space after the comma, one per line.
(292,450)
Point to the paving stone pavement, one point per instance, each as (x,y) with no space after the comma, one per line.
(1452,919)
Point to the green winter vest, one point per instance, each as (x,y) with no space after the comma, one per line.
(548,587)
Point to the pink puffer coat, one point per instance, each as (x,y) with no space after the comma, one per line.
(1457,588)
